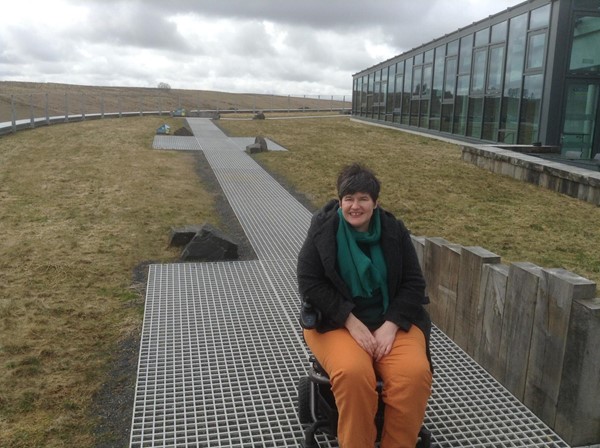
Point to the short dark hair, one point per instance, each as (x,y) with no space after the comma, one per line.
(358,178)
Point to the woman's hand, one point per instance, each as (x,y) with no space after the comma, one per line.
(384,337)
(361,334)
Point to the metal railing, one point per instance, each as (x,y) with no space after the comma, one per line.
(23,111)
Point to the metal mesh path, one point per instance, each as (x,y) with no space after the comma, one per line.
(221,350)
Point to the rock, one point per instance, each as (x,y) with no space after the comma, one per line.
(259,145)
(183,235)
(259,116)
(183,131)
(209,244)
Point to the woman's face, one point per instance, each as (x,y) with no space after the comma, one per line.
(357,209)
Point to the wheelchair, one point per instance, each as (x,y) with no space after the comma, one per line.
(317,411)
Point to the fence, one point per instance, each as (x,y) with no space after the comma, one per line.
(36,109)
(536,330)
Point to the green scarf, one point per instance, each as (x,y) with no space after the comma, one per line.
(363,275)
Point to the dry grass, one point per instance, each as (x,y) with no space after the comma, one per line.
(426,183)
(80,206)
(77,99)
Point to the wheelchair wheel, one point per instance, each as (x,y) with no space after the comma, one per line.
(304,411)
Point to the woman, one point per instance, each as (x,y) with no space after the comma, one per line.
(359,269)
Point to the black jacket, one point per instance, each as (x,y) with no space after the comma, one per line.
(321,285)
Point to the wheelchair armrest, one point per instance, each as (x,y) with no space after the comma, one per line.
(309,316)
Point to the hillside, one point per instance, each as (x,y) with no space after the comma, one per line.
(59,99)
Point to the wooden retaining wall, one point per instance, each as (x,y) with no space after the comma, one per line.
(536,330)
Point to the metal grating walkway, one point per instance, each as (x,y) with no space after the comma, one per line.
(221,350)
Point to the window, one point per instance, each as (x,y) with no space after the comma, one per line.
(461,104)
(479,60)
(428,57)
(585,58)
(530,109)
(417,87)
(535,51)
(474,117)
(498,33)
(406,92)
(452,48)
(464,61)
(482,37)
(389,106)
(540,17)
(513,78)
(437,87)
(450,80)
(494,80)
(491,116)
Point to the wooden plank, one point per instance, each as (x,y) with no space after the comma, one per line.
(448,287)
(517,325)
(419,243)
(578,411)
(557,291)
(432,260)
(467,325)
(494,278)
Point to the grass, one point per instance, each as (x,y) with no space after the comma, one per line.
(425,182)
(80,206)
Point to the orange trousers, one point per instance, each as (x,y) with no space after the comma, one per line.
(406,376)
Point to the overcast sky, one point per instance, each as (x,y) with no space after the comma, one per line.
(257,46)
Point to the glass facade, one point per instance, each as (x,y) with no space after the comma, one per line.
(528,75)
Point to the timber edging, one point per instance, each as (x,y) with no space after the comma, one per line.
(536,330)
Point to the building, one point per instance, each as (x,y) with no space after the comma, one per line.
(528,75)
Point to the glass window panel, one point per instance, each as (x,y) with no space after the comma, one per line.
(482,37)
(424,114)
(419,59)
(437,88)
(446,121)
(438,73)
(461,105)
(414,112)
(499,32)
(464,61)
(406,92)
(515,53)
(586,4)
(384,74)
(585,57)
(474,117)
(580,118)
(450,80)
(535,51)
(452,49)
(426,83)
(531,102)
(540,17)
(428,57)
(389,106)
(479,60)
(398,95)
(491,116)
(371,83)
(417,72)
(400,68)
(494,82)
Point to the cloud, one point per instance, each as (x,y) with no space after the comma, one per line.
(261,46)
